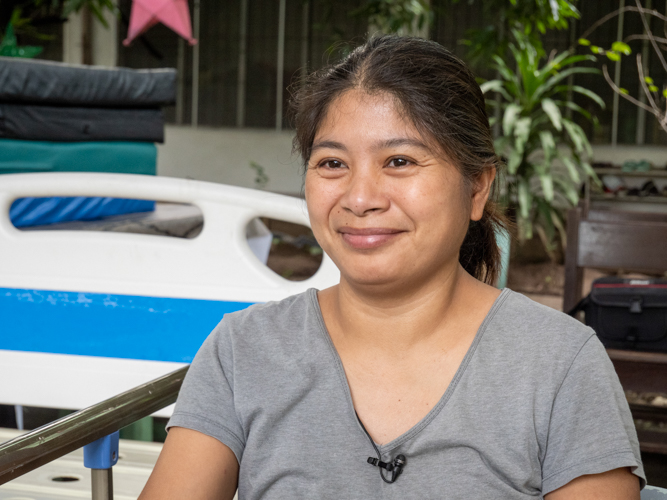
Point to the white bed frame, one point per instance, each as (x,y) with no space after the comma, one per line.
(216,265)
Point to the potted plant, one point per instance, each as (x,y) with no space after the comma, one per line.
(547,153)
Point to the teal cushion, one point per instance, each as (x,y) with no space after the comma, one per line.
(38,156)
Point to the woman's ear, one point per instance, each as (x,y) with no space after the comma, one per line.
(481,191)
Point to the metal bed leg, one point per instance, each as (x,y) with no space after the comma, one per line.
(102,487)
(18,413)
(100,456)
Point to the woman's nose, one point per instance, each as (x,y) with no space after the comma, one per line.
(365,193)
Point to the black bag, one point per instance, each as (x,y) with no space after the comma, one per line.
(627,313)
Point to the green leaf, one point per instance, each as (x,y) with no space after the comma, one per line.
(561,230)
(525,198)
(551,82)
(544,225)
(548,144)
(621,47)
(572,131)
(490,85)
(526,228)
(495,86)
(575,107)
(571,169)
(522,132)
(575,59)
(589,170)
(595,49)
(512,113)
(555,63)
(584,42)
(553,112)
(501,143)
(623,91)
(569,191)
(664,93)
(653,88)
(547,186)
(584,91)
(614,56)
(504,70)
(514,161)
(648,80)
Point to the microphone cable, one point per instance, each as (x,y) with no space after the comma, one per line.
(395,466)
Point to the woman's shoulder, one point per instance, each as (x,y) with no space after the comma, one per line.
(271,322)
(536,329)
(288,310)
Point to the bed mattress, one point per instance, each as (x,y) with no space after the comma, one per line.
(44,82)
(76,124)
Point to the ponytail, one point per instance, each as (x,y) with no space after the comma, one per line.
(480,254)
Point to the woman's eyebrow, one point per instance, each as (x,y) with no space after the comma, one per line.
(327,145)
(402,141)
(389,143)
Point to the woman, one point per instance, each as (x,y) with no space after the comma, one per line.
(413,377)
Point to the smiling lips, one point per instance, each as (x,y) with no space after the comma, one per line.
(366,238)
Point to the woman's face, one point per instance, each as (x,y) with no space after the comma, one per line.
(383,204)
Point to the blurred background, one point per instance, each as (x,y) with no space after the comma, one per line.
(234,85)
(576,94)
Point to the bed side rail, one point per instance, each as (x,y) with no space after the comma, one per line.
(53,440)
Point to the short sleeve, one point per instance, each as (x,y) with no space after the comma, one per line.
(591,428)
(206,400)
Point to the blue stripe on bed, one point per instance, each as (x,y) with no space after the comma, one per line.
(112,326)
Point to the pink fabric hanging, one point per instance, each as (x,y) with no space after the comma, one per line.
(147,13)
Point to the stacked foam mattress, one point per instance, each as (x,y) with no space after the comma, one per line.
(60,117)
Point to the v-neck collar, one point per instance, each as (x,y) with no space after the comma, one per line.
(413,431)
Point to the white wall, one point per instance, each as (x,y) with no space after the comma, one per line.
(224,155)
(104,40)
(72,43)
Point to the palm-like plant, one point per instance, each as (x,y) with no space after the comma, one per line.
(547,154)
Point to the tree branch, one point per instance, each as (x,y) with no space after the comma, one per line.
(649,33)
(642,80)
(627,96)
(645,37)
(611,15)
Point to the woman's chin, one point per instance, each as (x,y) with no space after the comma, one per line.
(393,275)
(373,277)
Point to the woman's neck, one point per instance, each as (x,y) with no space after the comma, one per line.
(396,318)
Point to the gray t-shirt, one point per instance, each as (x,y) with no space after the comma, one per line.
(534,404)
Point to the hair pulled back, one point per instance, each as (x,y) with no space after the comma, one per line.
(439,94)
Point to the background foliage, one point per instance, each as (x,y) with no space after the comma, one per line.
(548,155)
(531,17)
(26,16)
(396,16)
(653,86)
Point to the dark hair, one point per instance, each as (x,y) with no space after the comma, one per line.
(439,94)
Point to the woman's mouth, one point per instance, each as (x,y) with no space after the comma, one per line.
(366,238)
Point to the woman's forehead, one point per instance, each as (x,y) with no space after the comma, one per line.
(359,115)
(375,120)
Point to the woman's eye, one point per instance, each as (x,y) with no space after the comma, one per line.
(332,164)
(399,162)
